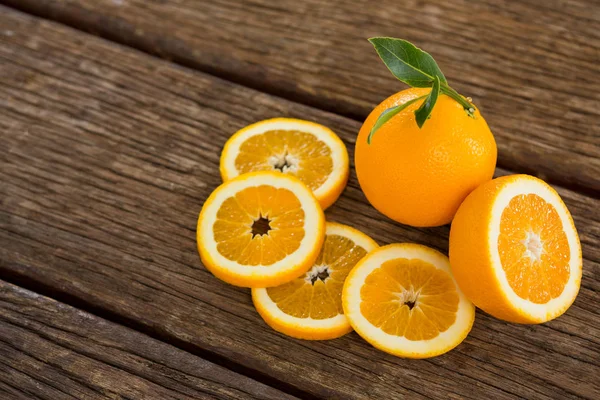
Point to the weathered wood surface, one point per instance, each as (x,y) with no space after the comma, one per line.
(531,66)
(49,350)
(106,157)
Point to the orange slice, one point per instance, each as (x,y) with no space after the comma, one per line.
(260,229)
(310,307)
(309,151)
(403,300)
(515,251)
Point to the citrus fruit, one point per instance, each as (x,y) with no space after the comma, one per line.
(403,300)
(310,307)
(514,250)
(309,151)
(419,176)
(260,229)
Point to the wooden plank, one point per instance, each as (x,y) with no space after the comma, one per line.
(531,67)
(49,350)
(107,156)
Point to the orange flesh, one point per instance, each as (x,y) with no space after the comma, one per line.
(298,153)
(390,290)
(323,299)
(233,231)
(534,250)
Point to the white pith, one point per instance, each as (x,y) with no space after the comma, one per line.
(278,162)
(533,245)
(315,271)
(410,295)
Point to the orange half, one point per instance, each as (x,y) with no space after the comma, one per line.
(514,250)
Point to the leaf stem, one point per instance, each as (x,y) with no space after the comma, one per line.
(447,90)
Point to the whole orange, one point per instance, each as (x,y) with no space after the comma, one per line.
(419,176)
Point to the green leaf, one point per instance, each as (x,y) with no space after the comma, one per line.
(389,114)
(425,110)
(407,62)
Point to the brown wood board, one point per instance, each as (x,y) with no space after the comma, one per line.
(106,158)
(530,66)
(49,350)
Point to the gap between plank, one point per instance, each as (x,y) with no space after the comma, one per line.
(132,41)
(83,305)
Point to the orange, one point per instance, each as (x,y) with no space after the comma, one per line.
(310,307)
(260,229)
(309,151)
(514,250)
(403,300)
(418,176)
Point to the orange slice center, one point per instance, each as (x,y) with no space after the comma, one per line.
(318,294)
(298,153)
(534,250)
(409,298)
(260,225)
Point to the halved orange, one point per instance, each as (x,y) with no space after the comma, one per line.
(260,229)
(309,151)
(403,300)
(310,307)
(514,250)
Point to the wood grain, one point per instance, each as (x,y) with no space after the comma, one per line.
(530,66)
(49,350)
(106,158)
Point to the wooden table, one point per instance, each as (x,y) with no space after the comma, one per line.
(112,117)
